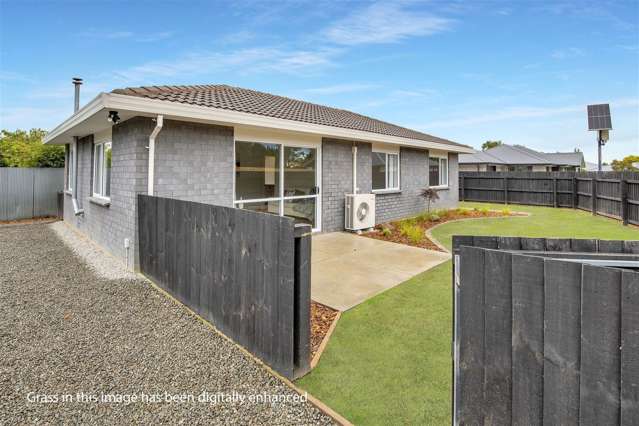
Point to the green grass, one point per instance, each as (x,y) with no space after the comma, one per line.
(388,361)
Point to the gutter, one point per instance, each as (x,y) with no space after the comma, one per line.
(151,178)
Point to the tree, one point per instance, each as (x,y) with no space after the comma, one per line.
(25,149)
(490,144)
(430,195)
(628,163)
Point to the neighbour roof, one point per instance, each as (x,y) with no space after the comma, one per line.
(266,104)
(517,154)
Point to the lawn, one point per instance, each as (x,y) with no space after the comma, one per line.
(388,361)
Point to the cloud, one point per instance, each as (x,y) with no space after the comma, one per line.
(526,112)
(341,88)
(571,52)
(384,23)
(242,61)
(126,35)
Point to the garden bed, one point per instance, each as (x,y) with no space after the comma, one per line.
(321,319)
(412,231)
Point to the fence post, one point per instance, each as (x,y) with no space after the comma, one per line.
(575,197)
(302,300)
(554,192)
(505,189)
(594,195)
(624,201)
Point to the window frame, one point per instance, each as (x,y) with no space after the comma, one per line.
(387,153)
(100,145)
(441,158)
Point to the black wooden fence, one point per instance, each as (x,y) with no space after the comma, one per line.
(543,336)
(248,273)
(612,194)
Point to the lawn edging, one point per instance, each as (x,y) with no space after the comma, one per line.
(431,237)
(325,340)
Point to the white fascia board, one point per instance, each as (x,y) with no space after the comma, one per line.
(78,117)
(226,117)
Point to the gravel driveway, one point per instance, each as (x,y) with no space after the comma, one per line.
(65,331)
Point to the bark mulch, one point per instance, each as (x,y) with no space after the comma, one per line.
(321,319)
(396,235)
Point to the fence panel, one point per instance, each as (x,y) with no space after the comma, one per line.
(611,194)
(29,192)
(573,334)
(248,273)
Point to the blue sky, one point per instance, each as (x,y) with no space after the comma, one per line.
(518,71)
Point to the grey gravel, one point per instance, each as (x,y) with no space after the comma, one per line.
(102,263)
(64,329)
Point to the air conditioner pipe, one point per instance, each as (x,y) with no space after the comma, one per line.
(159,122)
(354,168)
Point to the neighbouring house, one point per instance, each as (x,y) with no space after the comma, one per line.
(236,147)
(516,158)
(594,167)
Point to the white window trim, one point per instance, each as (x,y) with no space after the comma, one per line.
(440,157)
(387,152)
(95,165)
(283,139)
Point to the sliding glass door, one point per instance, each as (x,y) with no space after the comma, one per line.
(278,179)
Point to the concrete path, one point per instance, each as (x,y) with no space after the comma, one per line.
(348,269)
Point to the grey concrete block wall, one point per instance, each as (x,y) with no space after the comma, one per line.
(337,178)
(337,181)
(193,161)
(413,178)
(110,225)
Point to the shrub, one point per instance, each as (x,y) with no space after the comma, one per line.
(484,211)
(506,212)
(414,233)
(434,217)
(463,212)
(386,232)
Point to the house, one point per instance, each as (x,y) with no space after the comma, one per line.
(237,147)
(594,167)
(504,158)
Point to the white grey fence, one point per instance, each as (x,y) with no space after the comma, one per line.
(29,192)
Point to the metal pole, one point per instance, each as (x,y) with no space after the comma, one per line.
(599,150)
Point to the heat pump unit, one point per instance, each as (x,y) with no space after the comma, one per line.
(360,211)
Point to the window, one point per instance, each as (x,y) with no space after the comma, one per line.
(437,171)
(385,171)
(70,166)
(278,179)
(102,170)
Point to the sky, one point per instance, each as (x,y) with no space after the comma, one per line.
(521,71)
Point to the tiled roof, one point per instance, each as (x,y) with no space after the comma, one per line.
(266,104)
(517,154)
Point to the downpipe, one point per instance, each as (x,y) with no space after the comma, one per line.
(354,169)
(159,122)
(77,210)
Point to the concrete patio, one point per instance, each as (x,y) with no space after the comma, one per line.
(348,269)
